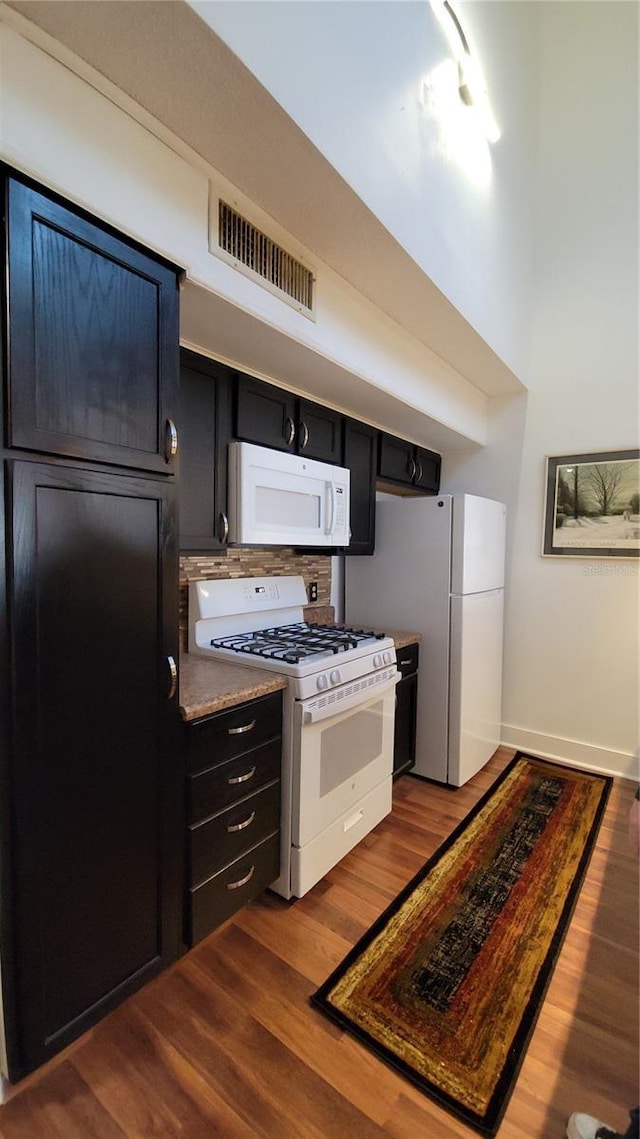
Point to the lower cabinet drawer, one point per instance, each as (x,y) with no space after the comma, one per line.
(407,659)
(217,841)
(217,899)
(213,790)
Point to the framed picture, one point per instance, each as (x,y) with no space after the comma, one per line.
(592,507)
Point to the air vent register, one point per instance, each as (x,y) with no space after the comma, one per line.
(247,246)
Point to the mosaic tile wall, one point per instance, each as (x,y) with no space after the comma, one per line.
(244,561)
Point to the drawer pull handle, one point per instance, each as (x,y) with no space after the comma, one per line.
(241,826)
(353,821)
(244,728)
(241,881)
(242,778)
(223,528)
(405,660)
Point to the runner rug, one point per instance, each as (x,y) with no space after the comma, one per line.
(447,983)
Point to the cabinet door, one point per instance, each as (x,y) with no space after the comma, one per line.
(427,470)
(265,414)
(396,459)
(360,443)
(95,786)
(319,432)
(404,741)
(204,425)
(93,339)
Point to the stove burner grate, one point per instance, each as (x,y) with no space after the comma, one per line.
(292,644)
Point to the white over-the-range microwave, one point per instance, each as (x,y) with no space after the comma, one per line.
(279,499)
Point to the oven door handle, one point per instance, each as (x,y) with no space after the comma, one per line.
(337,707)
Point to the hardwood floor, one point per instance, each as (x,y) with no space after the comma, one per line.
(225,1043)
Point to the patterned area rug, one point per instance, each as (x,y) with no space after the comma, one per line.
(447,984)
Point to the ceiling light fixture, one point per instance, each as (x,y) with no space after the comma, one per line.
(472,87)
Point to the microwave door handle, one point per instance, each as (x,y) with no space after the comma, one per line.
(332,501)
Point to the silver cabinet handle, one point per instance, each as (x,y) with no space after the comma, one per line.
(291,430)
(171,441)
(173,675)
(419,471)
(242,730)
(305,436)
(406,660)
(241,881)
(223,527)
(412,469)
(242,778)
(241,826)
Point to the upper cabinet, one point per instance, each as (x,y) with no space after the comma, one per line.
(92,350)
(204,423)
(269,416)
(319,432)
(407,469)
(360,450)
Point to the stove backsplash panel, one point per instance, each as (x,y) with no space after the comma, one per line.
(245,561)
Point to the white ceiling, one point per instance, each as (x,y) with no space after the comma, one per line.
(169,61)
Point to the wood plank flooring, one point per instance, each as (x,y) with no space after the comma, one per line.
(225,1043)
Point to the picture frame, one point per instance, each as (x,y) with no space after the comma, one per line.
(592,505)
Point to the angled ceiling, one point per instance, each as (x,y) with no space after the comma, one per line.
(169,61)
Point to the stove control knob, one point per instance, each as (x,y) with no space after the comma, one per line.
(335,676)
(377,661)
(386,656)
(322,681)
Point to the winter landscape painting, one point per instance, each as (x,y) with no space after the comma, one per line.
(593,505)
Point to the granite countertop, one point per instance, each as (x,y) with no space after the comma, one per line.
(208,686)
(401,639)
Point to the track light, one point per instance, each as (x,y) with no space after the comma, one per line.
(472,87)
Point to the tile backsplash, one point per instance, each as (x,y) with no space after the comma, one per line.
(245,561)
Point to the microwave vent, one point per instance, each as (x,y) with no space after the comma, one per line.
(248,246)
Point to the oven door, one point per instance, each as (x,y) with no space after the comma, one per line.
(339,756)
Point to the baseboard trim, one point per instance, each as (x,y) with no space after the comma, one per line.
(574,752)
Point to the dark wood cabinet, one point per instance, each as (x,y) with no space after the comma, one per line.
(92,351)
(233,807)
(271,417)
(95,802)
(427,476)
(360,451)
(92,809)
(404,744)
(319,432)
(204,425)
(264,414)
(406,468)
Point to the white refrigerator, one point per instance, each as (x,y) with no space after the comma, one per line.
(438,570)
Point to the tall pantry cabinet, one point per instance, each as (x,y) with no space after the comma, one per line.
(91,783)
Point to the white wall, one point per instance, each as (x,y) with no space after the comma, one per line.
(571,661)
(351,75)
(124,167)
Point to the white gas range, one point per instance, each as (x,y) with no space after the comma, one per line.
(339,713)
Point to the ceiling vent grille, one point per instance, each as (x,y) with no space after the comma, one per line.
(246,244)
